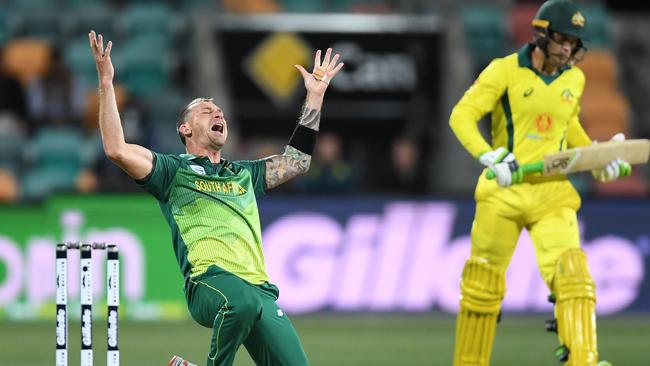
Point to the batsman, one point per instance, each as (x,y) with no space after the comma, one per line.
(533,96)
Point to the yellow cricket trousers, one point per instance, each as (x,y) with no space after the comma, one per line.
(546,209)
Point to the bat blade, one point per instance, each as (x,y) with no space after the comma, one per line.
(596,156)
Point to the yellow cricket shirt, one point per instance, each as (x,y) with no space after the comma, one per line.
(532,114)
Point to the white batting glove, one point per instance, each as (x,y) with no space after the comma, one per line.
(504,165)
(615,169)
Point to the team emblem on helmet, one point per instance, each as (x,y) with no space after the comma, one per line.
(578,20)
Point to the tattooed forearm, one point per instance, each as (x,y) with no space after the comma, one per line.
(310,118)
(293,162)
(281,168)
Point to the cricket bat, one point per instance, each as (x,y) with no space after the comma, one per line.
(590,157)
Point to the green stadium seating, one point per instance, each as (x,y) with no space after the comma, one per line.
(301,6)
(194,5)
(4,29)
(56,156)
(92,16)
(144,18)
(485,33)
(57,148)
(80,62)
(11,151)
(164,110)
(30,5)
(38,183)
(144,64)
(77,4)
(43,24)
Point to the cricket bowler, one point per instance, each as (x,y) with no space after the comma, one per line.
(533,96)
(210,204)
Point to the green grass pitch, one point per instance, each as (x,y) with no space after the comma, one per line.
(334,339)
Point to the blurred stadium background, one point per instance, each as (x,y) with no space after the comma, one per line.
(374,218)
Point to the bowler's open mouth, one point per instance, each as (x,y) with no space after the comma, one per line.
(217,127)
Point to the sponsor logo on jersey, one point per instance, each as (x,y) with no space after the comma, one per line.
(544,122)
(198,169)
(528,92)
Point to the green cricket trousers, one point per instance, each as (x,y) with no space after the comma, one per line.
(240,312)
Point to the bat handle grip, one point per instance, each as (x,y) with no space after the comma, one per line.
(536,167)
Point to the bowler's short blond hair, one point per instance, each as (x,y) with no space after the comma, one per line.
(182,117)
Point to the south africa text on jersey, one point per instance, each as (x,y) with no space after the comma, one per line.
(232,188)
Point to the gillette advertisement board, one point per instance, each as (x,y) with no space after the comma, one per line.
(347,254)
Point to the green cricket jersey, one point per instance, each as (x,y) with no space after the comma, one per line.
(212,212)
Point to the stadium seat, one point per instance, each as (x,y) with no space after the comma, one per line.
(57,155)
(80,62)
(45,25)
(76,4)
(299,6)
(57,148)
(146,18)
(485,33)
(29,5)
(11,151)
(165,109)
(196,5)
(145,79)
(143,48)
(85,17)
(27,59)
(37,183)
(144,62)
(4,29)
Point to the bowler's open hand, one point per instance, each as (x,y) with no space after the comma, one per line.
(317,81)
(102,56)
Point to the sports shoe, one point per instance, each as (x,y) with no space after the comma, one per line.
(179,361)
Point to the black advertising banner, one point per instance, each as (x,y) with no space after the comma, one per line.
(391,78)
